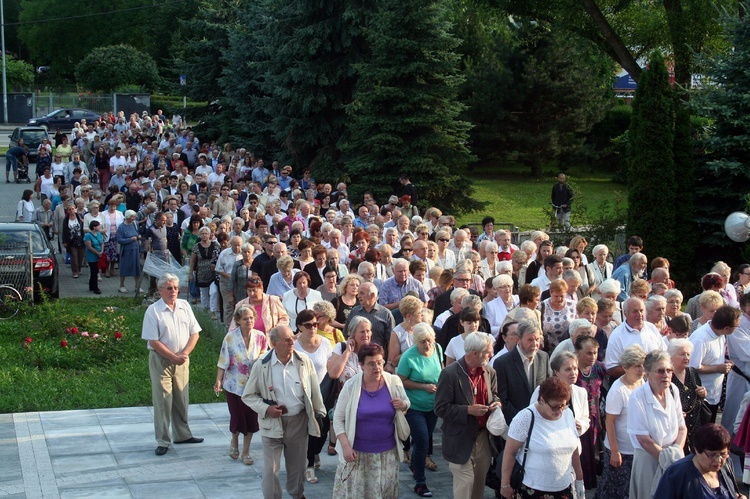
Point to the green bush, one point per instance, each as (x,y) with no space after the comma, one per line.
(172,104)
(61,368)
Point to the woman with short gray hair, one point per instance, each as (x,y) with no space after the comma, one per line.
(688,383)
(419,368)
(655,422)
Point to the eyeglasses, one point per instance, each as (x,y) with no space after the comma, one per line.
(556,407)
(462,280)
(375,363)
(713,455)
(406,249)
(443,240)
(309,325)
(662,371)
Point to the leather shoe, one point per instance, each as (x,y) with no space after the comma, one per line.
(191,440)
(160,451)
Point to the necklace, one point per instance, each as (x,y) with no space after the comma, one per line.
(473,384)
(371,394)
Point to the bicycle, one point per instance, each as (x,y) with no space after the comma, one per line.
(10,301)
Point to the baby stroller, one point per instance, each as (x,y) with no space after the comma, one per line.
(23,172)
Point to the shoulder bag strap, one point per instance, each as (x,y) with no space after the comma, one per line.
(528,439)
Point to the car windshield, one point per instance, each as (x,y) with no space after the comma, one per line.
(10,236)
(33,135)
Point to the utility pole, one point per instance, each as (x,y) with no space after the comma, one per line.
(5,82)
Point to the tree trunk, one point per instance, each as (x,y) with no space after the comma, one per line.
(624,56)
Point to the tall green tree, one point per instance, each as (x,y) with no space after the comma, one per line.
(405,116)
(723,179)
(534,92)
(199,52)
(304,63)
(652,193)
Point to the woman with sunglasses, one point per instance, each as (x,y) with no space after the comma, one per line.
(707,472)
(655,422)
(318,349)
(553,447)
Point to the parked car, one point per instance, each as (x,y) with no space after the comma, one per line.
(64,118)
(32,136)
(14,235)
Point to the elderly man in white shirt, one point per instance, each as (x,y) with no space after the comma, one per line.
(709,347)
(634,331)
(460,245)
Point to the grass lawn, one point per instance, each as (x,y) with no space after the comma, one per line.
(90,372)
(514,196)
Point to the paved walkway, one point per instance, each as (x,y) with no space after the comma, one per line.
(108,453)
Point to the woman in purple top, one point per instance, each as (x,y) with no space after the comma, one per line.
(364,423)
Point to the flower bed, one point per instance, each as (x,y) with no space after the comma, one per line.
(88,353)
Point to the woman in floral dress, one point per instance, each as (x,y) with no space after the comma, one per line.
(591,373)
(242,346)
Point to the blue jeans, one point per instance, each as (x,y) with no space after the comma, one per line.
(422,424)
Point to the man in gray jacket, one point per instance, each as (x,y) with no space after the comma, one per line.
(466,395)
(283,389)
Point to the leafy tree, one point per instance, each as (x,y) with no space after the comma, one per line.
(723,180)
(628,30)
(17,72)
(404,114)
(534,93)
(107,68)
(652,192)
(61,34)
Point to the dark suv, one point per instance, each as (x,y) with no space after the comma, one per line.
(32,137)
(15,235)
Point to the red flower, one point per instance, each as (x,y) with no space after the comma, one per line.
(118,335)
(64,344)
(74,330)
(28,339)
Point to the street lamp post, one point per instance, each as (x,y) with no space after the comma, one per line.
(2,42)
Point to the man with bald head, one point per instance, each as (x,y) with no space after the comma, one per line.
(633,331)
(380,317)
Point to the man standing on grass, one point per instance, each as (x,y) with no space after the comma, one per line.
(171,330)
(562,198)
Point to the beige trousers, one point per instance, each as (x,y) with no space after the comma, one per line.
(169,393)
(469,478)
(294,446)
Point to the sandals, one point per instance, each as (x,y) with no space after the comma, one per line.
(234,452)
(248,460)
(332,449)
(310,475)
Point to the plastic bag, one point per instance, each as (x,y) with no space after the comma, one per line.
(157,266)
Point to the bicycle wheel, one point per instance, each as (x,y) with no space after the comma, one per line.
(10,302)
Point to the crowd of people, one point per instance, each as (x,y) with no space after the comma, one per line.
(356,328)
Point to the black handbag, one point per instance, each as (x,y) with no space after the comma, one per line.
(330,388)
(516,476)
